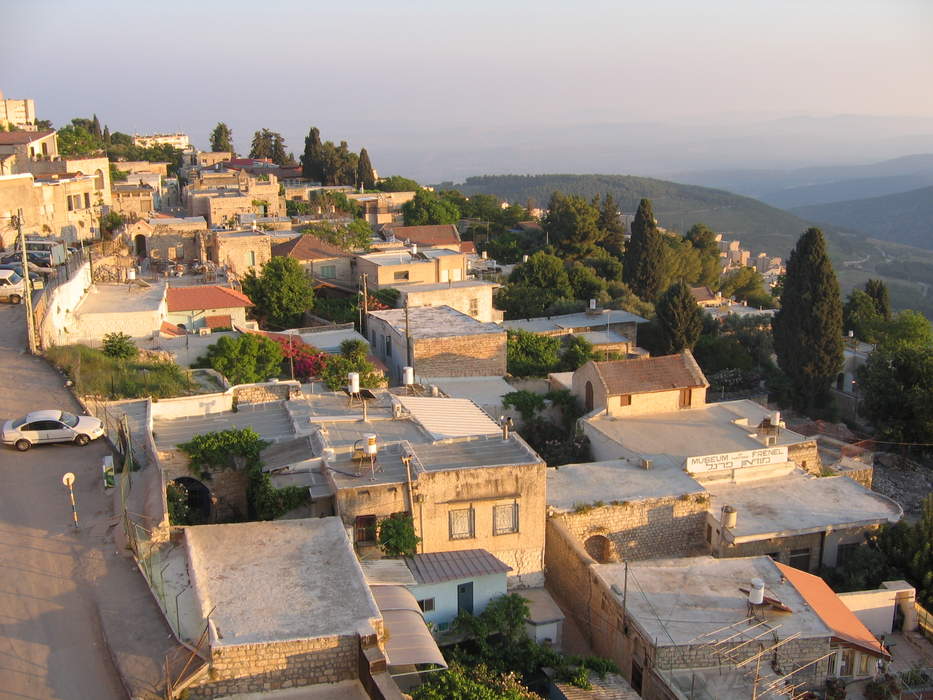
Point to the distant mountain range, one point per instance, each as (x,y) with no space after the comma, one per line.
(801,187)
(905,217)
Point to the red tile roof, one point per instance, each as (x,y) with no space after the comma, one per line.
(702,294)
(468,247)
(199,297)
(651,374)
(308,247)
(441,234)
(170,329)
(846,627)
(221,321)
(19,138)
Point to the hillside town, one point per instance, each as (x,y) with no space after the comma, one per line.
(340,435)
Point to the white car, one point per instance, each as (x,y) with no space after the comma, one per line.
(50,426)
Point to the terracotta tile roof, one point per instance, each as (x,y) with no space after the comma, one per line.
(221,321)
(204,297)
(652,374)
(441,234)
(468,247)
(846,627)
(450,566)
(170,329)
(18,138)
(308,247)
(702,293)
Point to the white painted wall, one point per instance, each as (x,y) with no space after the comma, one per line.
(202,405)
(62,302)
(874,608)
(485,588)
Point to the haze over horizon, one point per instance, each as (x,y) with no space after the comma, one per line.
(440,93)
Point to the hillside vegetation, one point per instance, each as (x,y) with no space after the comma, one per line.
(760,227)
(906,217)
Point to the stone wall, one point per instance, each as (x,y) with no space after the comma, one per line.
(256,668)
(806,455)
(479,355)
(567,568)
(263,393)
(779,548)
(647,529)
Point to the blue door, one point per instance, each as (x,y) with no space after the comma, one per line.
(465,598)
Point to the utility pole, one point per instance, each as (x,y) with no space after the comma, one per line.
(363,277)
(27,284)
(409,351)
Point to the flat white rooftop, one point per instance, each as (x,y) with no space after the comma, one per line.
(669,438)
(279,581)
(121,299)
(603,317)
(616,480)
(798,503)
(685,601)
(460,284)
(435,322)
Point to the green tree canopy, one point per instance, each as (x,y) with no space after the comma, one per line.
(532,355)
(281,292)
(397,183)
(878,291)
(680,318)
(586,284)
(896,384)
(353,236)
(572,224)
(860,315)
(907,328)
(352,358)
(312,165)
(244,359)
(428,208)
(546,272)
(808,327)
(222,138)
(746,284)
(610,223)
(364,172)
(643,258)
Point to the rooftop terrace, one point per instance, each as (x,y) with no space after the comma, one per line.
(121,299)
(602,317)
(435,322)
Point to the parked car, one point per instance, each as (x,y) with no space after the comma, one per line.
(12,288)
(50,426)
(38,281)
(39,259)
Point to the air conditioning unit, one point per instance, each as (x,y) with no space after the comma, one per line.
(204,331)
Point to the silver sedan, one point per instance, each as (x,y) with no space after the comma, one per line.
(50,426)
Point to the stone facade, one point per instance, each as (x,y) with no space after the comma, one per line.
(806,455)
(461,356)
(597,398)
(240,251)
(645,529)
(265,393)
(133,201)
(438,493)
(65,207)
(18,113)
(256,668)
(474,299)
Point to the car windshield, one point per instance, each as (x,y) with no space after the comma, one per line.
(69,419)
(19,422)
(15,278)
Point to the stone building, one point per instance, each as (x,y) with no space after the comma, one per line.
(433,236)
(380,208)
(28,145)
(62,206)
(411,266)
(470,297)
(133,201)
(689,626)
(321,260)
(194,306)
(298,613)
(20,114)
(240,193)
(168,238)
(608,330)
(437,341)
(239,251)
(638,387)
(176,140)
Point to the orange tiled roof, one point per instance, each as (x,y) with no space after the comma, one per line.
(19,138)
(440,234)
(846,627)
(170,329)
(652,374)
(307,247)
(199,297)
(219,321)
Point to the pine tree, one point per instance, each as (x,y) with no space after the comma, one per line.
(95,127)
(221,138)
(878,291)
(261,146)
(312,165)
(643,258)
(279,154)
(611,225)
(365,179)
(808,328)
(680,318)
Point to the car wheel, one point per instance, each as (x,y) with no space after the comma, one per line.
(82,440)
(15,299)
(23,445)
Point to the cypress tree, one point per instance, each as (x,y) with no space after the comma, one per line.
(808,328)
(221,138)
(95,127)
(643,258)
(878,291)
(312,165)
(106,136)
(611,225)
(364,172)
(680,318)
(279,154)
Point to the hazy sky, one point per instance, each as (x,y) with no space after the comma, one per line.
(409,73)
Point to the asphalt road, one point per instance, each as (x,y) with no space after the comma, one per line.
(50,639)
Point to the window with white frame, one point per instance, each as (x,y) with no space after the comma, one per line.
(505,519)
(426,605)
(461,523)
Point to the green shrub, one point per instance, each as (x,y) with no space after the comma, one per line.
(397,535)
(217,450)
(119,346)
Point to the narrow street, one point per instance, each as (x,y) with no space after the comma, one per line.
(50,638)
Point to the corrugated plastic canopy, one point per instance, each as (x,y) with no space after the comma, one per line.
(408,641)
(448,418)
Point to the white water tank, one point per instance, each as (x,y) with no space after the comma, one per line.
(593,304)
(408,376)
(776,418)
(756,595)
(729,517)
(131,274)
(354,382)
(370,447)
(414,249)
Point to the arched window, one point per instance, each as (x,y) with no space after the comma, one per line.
(599,547)
(99,179)
(589,396)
